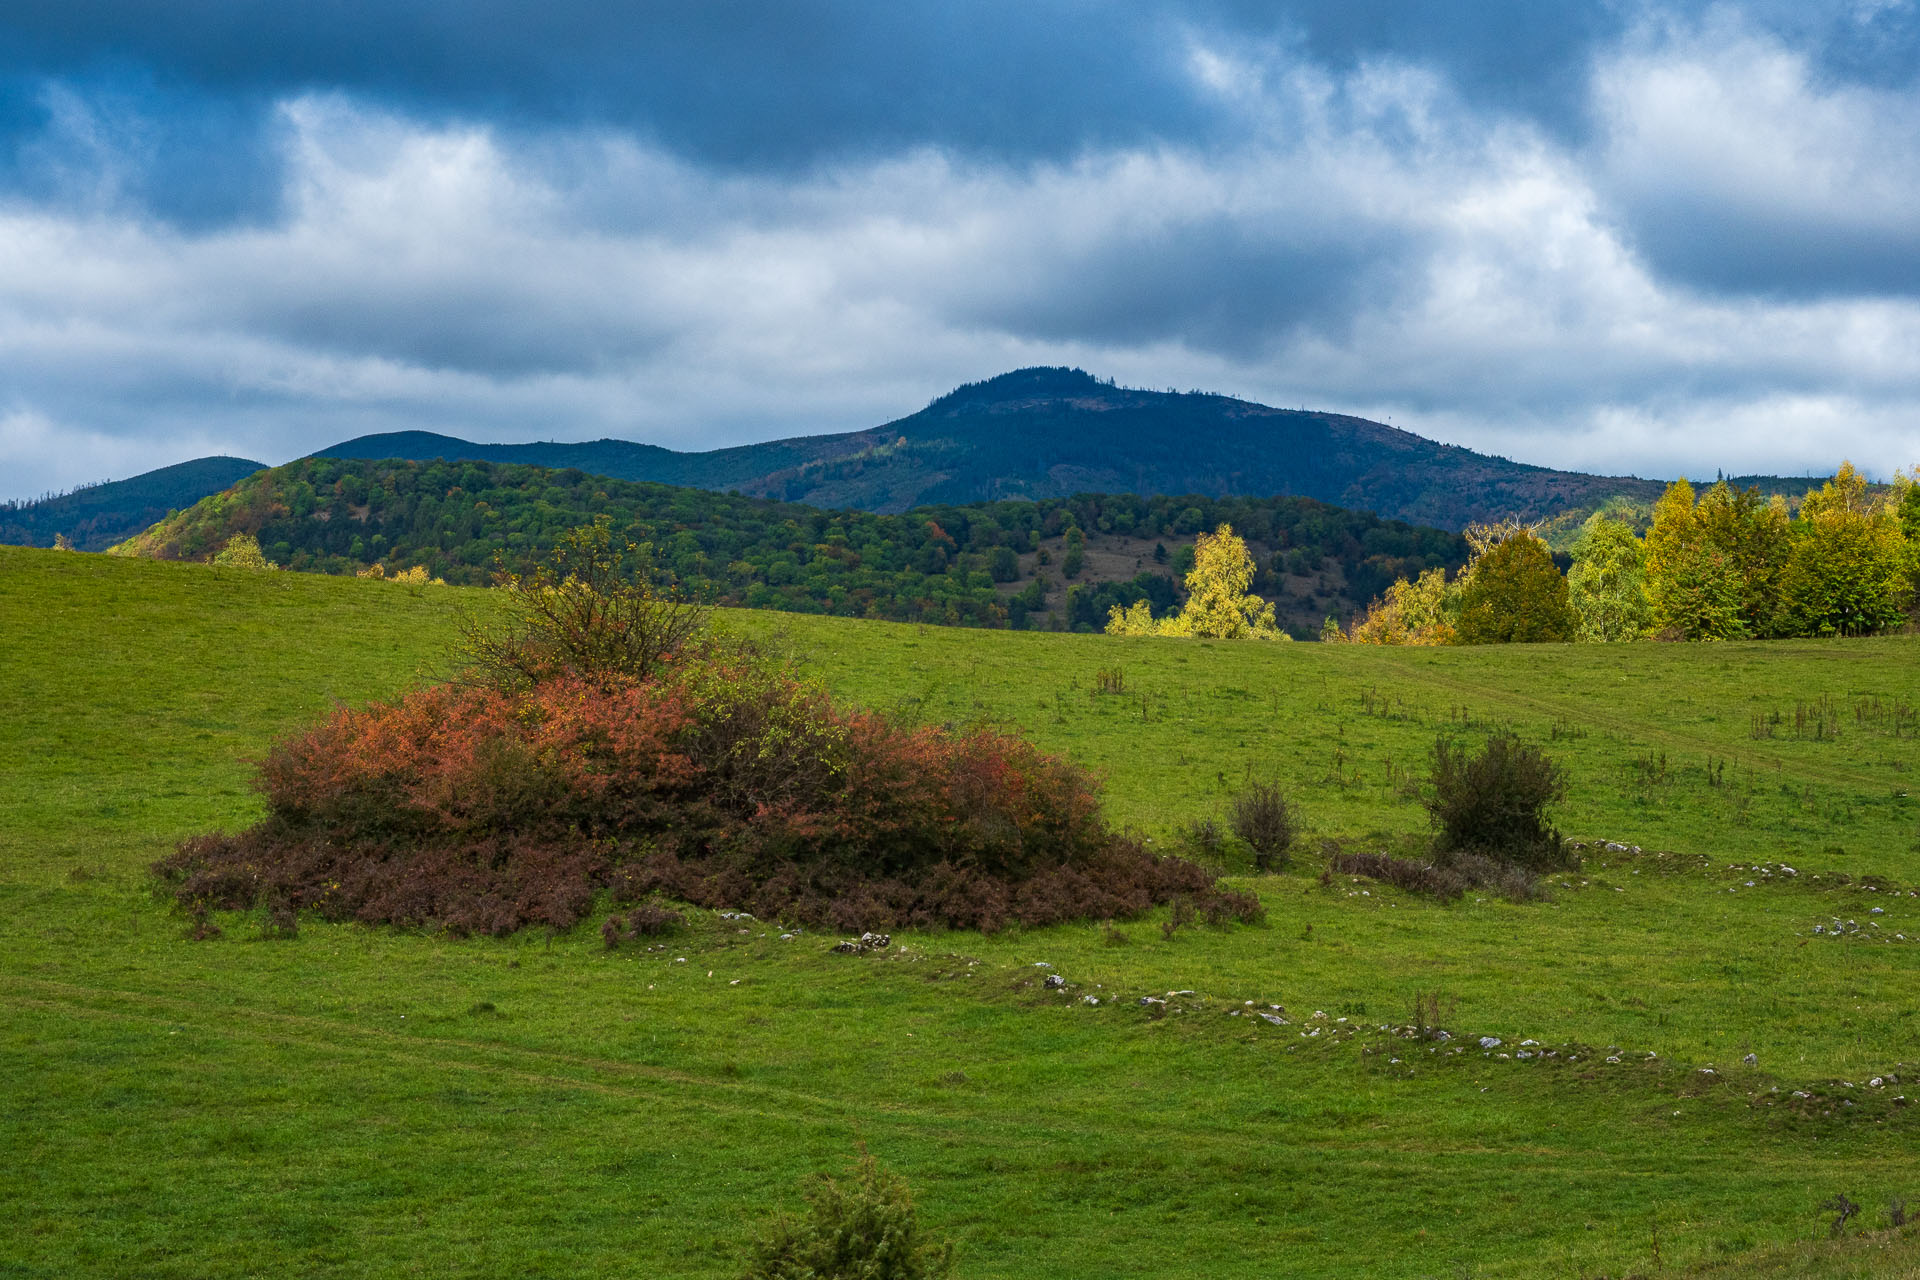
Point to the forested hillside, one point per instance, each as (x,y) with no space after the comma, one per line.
(1059,563)
(95,517)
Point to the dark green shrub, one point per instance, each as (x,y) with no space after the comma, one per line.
(1494,803)
(863,1228)
(1262,817)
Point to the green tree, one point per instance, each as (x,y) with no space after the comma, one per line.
(1515,594)
(1753,535)
(1906,510)
(1608,588)
(1849,572)
(1698,596)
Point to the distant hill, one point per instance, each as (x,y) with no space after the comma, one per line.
(99,515)
(1050,433)
(1002,564)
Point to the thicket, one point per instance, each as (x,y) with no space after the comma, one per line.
(939,564)
(1493,802)
(687,767)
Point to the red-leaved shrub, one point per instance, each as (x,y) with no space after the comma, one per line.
(717,782)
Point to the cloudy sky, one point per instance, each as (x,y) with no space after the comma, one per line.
(1614,236)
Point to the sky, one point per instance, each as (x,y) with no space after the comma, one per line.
(1634,238)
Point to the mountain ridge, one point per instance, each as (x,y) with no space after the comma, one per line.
(1049,432)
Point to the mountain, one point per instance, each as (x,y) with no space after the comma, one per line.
(1058,563)
(99,515)
(1052,432)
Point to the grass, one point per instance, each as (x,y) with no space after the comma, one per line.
(356,1102)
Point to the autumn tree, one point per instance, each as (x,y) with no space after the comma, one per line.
(1219,605)
(1515,594)
(1607,588)
(1409,613)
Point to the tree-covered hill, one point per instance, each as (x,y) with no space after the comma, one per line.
(1050,433)
(99,515)
(1056,563)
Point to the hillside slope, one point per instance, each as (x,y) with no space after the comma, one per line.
(1049,433)
(100,515)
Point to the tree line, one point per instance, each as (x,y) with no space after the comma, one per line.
(463,521)
(1725,564)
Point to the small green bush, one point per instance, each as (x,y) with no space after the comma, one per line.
(863,1228)
(1494,803)
(1262,818)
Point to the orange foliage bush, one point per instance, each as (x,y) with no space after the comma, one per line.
(719,783)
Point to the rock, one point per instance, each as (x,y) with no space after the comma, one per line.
(865,944)
(1489,1042)
(1054,982)
(1751,1060)
(1528,1044)
(1041,964)
(1274,1018)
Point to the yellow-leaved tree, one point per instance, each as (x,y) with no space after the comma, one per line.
(1218,607)
(1409,613)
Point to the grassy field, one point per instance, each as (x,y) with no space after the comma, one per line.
(356,1102)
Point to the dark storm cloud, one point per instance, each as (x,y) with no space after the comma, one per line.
(756,83)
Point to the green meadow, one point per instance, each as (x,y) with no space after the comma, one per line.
(371,1102)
